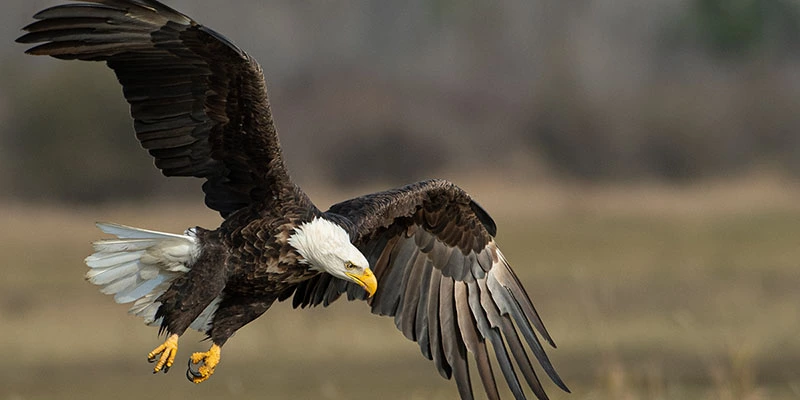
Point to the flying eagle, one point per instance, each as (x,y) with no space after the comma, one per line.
(200,108)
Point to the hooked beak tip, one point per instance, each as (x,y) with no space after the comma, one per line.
(366,280)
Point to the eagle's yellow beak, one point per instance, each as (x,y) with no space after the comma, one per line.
(366,280)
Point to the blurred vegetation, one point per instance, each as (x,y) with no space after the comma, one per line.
(739,27)
(65,147)
(719,98)
(609,91)
(691,296)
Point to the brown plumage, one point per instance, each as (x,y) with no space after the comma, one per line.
(200,108)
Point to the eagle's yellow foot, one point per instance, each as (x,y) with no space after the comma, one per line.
(168,350)
(210,359)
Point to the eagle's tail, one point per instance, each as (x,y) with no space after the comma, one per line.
(140,265)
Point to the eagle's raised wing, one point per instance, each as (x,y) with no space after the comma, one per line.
(199,102)
(445,282)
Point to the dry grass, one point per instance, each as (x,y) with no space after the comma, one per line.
(651,293)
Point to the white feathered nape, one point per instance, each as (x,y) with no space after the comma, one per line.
(140,265)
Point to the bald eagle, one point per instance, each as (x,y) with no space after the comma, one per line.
(200,108)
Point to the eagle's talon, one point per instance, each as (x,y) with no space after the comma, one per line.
(167,351)
(191,372)
(206,362)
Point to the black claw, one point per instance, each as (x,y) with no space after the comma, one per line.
(166,368)
(190,370)
(189,376)
(151,360)
(193,374)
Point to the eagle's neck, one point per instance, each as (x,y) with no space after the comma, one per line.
(321,243)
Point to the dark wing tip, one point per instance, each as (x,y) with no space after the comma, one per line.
(220,37)
(24,40)
(484,217)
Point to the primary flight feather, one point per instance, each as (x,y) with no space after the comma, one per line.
(424,254)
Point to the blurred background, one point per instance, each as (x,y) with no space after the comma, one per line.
(641,157)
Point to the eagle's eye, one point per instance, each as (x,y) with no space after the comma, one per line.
(349,266)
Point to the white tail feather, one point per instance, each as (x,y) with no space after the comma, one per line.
(104,276)
(104,260)
(140,265)
(129,232)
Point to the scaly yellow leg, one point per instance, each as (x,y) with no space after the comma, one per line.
(210,359)
(168,350)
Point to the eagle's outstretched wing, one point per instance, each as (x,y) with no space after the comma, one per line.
(199,102)
(445,282)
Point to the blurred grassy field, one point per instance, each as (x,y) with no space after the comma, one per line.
(650,293)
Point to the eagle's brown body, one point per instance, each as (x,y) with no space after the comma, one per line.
(200,108)
(247,261)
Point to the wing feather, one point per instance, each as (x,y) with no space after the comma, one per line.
(421,320)
(434,329)
(488,308)
(452,342)
(407,318)
(442,278)
(387,301)
(473,342)
(199,103)
(507,279)
(509,305)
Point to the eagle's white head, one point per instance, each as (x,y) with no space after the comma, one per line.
(325,246)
